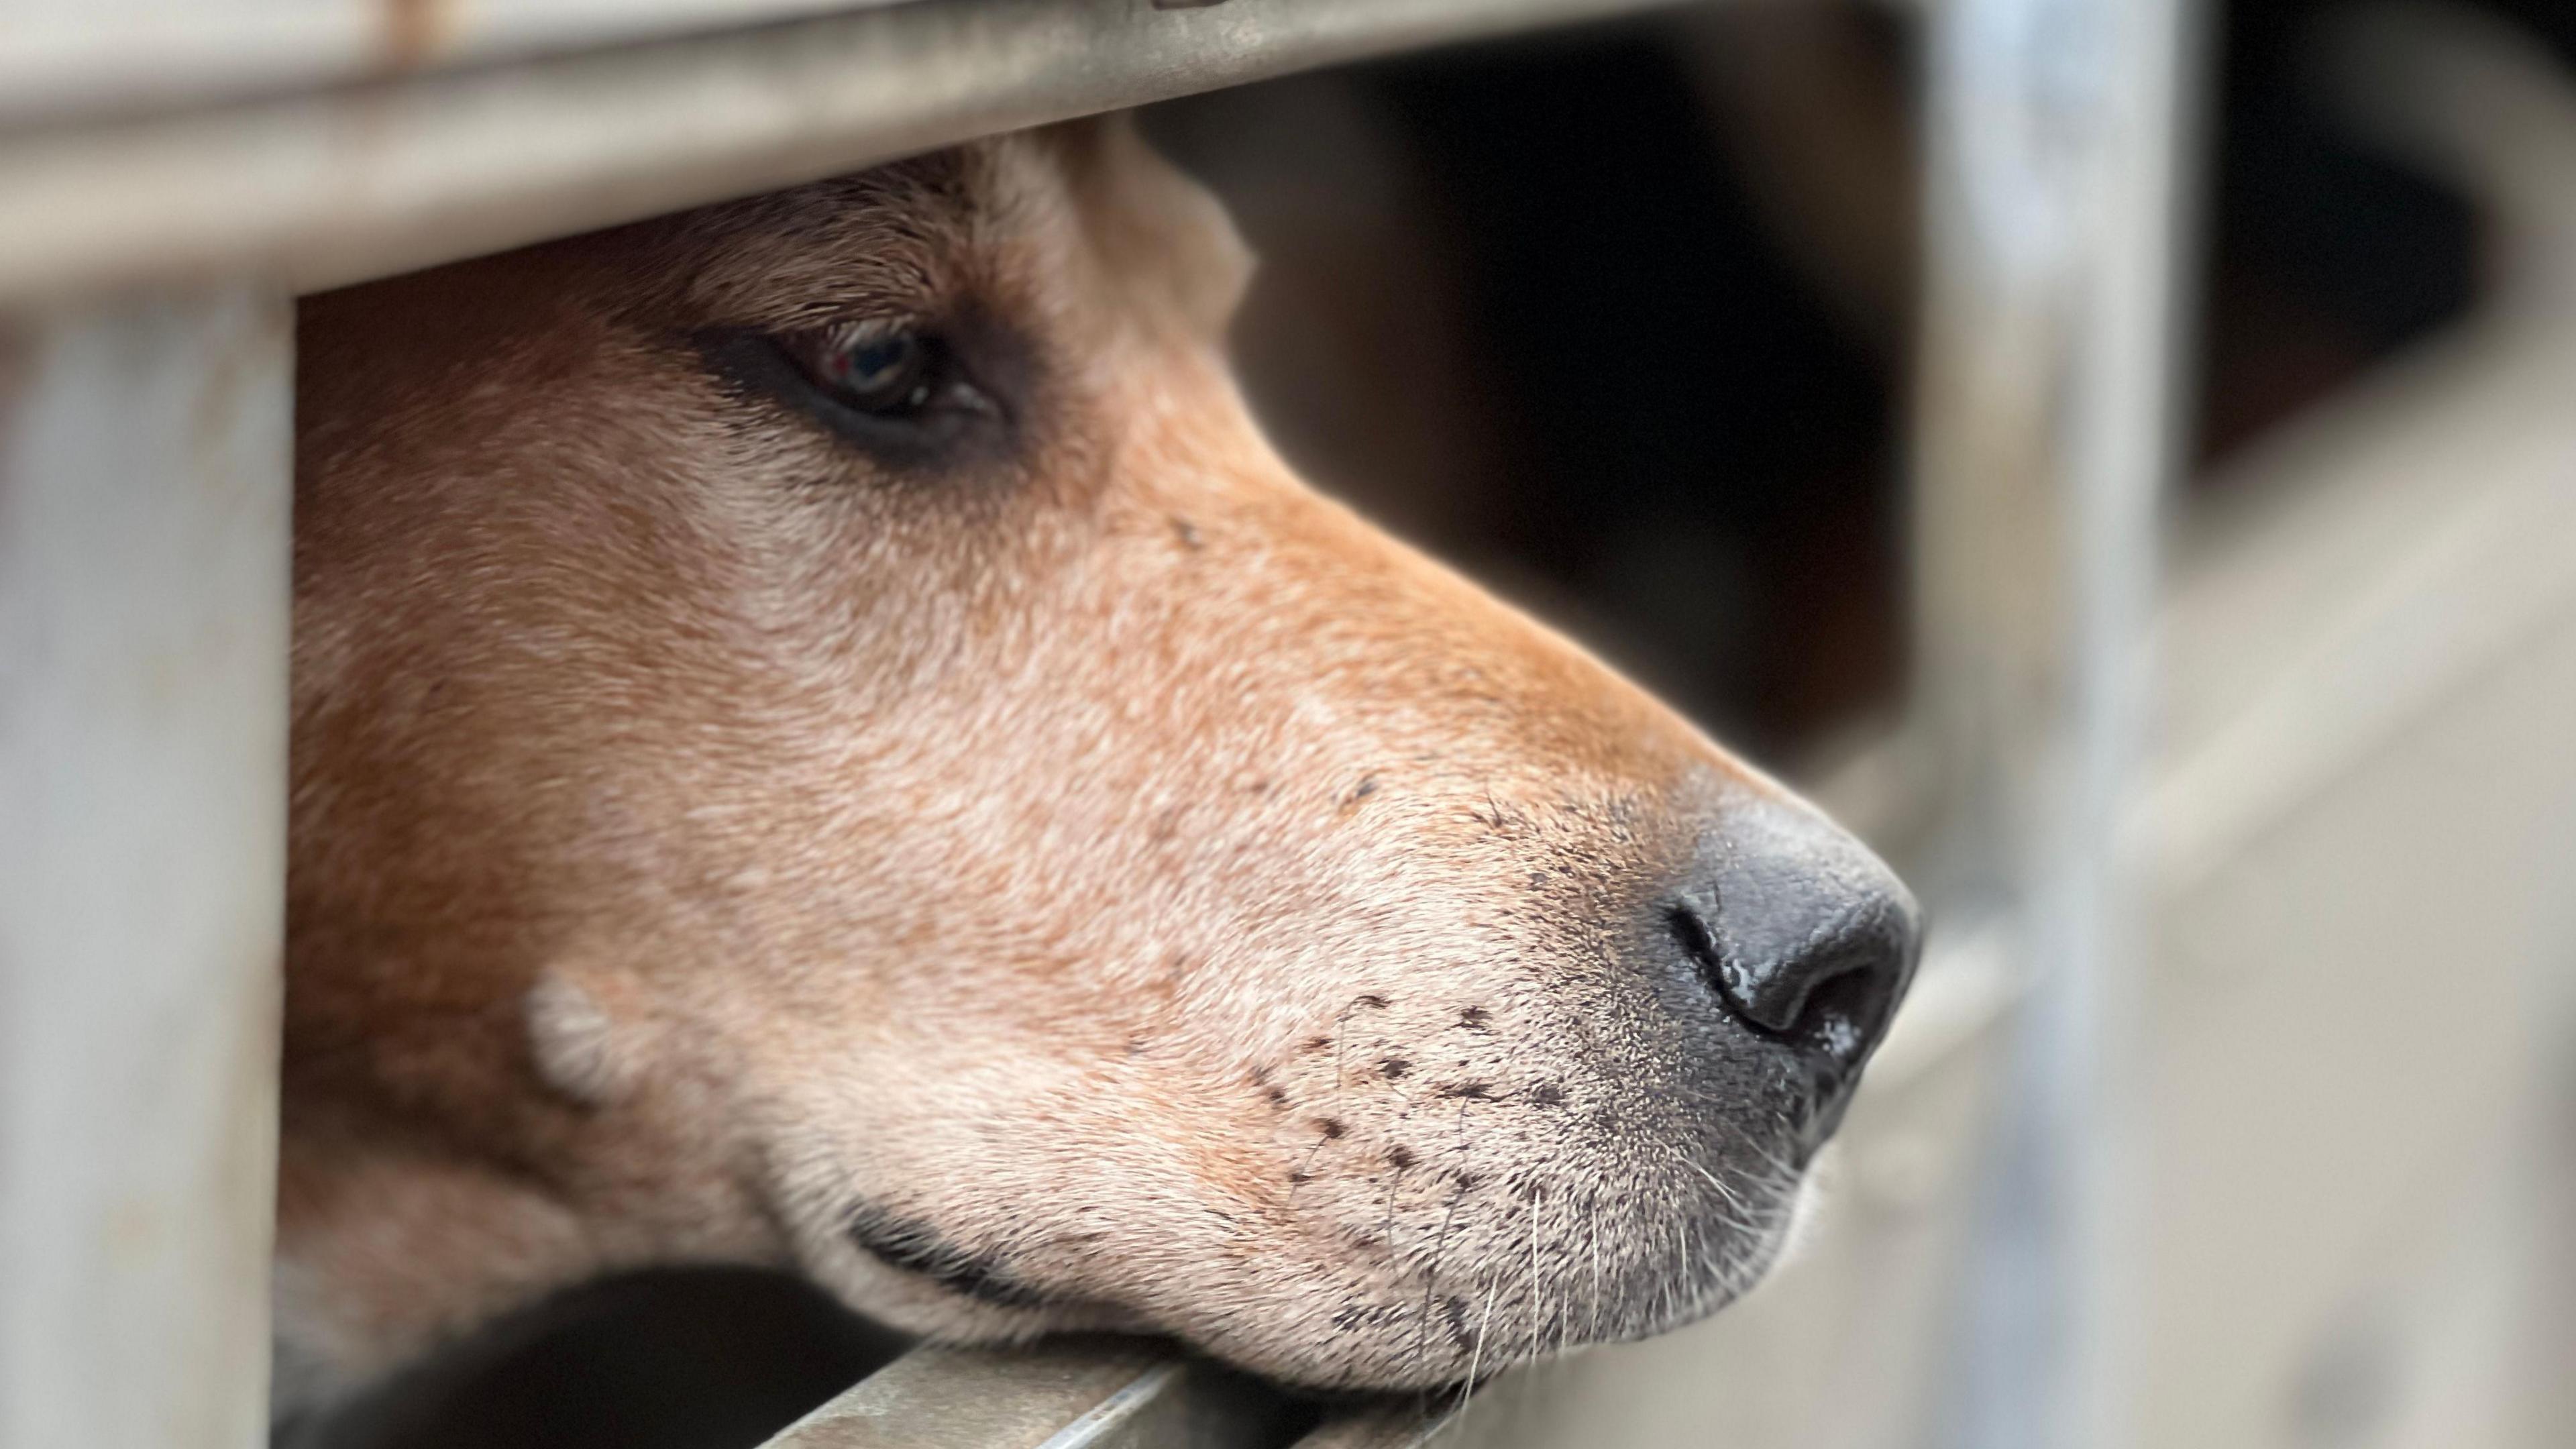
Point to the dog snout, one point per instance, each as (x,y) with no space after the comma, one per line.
(1801,936)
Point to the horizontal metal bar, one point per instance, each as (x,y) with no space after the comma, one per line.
(1393,1427)
(88,56)
(1091,1394)
(1067,1394)
(336,186)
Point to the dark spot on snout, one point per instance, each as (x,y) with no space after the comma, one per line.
(1278,1096)
(1299,1177)
(1361,791)
(1471,1091)
(1318,1044)
(1467,1181)
(1476,1018)
(1547,1094)
(1332,1128)
(1372,1000)
(1187,532)
(1394,1067)
(1400,1157)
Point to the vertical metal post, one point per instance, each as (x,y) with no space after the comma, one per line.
(2060,146)
(145,464)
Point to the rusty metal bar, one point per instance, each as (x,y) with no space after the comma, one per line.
(329,187)
(144,465)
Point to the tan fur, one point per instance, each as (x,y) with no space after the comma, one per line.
(1122,863)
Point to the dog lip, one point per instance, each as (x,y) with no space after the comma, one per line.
(917,1247)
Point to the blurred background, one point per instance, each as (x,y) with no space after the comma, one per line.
(1627,322)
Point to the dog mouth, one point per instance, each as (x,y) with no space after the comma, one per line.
(1551,1272)
(917,1247)
(1405,1205)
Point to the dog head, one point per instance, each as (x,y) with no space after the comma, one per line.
(821,722)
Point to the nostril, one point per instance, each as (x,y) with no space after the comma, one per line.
(1699,943)
(1801,936)
(1846,1008)
(1829,989)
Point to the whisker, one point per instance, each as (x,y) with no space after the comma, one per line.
(1723,1190)
(1431,1276)
(1484,1320)
(1681,1258)
(1341,1045)
(1564,1315)
(1537,1196)
(1309,1159)
(1394,1181)
(1592,1330)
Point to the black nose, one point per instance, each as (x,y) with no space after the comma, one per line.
(1803,934)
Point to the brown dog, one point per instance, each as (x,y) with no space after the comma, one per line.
(824,736)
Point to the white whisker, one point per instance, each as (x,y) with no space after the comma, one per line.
(1723,1190)
(1484,1319)
(1592,1330)
(1536,1197)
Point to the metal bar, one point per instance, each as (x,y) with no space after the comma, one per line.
(84,56)
(144,479)
(1069,1394)
(328,188)
(1405,1426)
(2060,150)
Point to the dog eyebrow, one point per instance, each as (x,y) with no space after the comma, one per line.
(917,1247)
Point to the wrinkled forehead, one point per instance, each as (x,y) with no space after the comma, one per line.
(1080,210)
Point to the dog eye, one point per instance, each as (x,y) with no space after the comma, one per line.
(886,370)
(892,387)
(873,368)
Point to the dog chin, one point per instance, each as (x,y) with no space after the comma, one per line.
(1784,1231)
(899,1273)
(1781,1227)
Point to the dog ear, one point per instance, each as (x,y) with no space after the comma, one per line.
(581,1049)
(1143,207)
